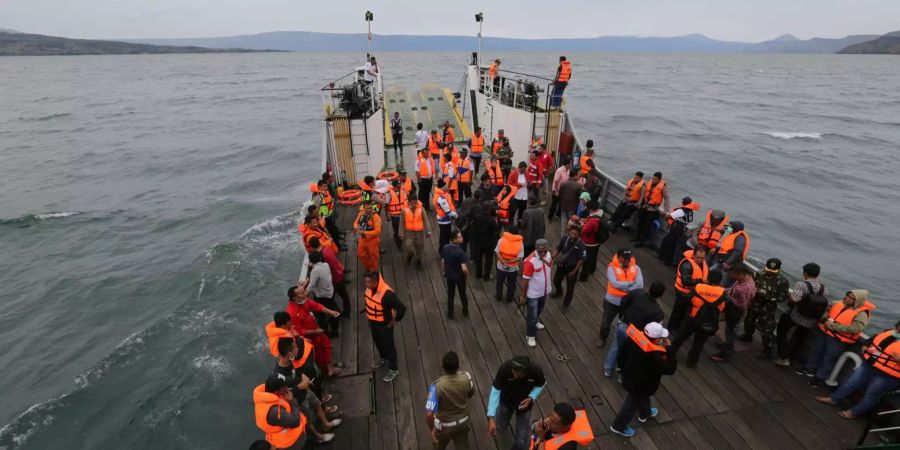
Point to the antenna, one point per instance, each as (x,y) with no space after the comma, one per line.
(369,18)
(480,19)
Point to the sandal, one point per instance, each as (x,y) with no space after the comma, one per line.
(826,400)
(330,409)
(846,415)
(326,398)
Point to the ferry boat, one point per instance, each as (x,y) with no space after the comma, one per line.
(746,403)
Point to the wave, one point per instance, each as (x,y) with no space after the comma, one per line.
(792,135)
(42,118)
(32,219)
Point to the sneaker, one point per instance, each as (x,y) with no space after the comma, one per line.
(607,372)
(390,376)
(653,413)
(379,363)
(815,383)
(336,423)
(804,371)
(627,432)
(540,326)
(783,362)
(326,437)
(530,341)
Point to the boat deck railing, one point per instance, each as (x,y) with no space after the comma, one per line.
(519,90)
(351,96)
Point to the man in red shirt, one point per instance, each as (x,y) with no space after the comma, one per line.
(300,307)
(589,231)
(337,274)
(534,174)
(546,160)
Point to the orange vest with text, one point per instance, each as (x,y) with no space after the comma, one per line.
(706,294)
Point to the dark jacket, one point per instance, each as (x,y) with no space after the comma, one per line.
(642,371)
(392,308)
(484,230)
(639,309)
(568,195)
(513,391)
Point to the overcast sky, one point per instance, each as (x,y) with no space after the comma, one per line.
(741,20)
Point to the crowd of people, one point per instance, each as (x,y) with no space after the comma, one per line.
(499,227)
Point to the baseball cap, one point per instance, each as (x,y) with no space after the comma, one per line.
(655,330)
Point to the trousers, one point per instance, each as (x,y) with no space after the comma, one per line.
(454,286)
(523,427)
(634,404)
(368,251)
(563,271)
(383,336)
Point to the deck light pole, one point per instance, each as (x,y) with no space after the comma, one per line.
(369,18)
(480,19)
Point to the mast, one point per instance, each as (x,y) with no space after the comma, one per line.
(480,19)
(369,18)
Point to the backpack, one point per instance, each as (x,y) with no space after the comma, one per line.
(813,304)
(706,321)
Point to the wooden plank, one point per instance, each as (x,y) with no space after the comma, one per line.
(768,429)
(668,435)
(709,432)
(698,439)
(722,424)
(737,421)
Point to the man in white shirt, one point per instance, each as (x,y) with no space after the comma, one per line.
(371,70)
(520,200)
(536,285)
(421,138)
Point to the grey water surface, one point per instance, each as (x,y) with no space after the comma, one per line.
(148,207)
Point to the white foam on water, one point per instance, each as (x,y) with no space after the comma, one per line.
(217,367)
(792,135)
(56,215)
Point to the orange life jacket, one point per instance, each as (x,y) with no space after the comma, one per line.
(642,341)
(633,190)
(326,208)
(565,71)
(477,143)
(503,204)
(495,173)
(433,146)
(370,228)
(699,272)
(497,144)
(583,166)
(397,202)
(406,186)
(275,333)
(438,192)
(425,169)
(324,238)
(493,71)
(414,220)
(449,135)
(580,432)
(843,315)
(280,437)
(374,308)
(727,244)
(706,294)
(510,246)
(627,274)
(709,236)
(688,213)
(653,195)
(465,177)
(451,183)
(879,354)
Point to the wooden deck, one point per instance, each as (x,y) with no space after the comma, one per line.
(747,403)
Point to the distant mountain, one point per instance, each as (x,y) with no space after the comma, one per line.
(306,41)
(21,44)
(888,44)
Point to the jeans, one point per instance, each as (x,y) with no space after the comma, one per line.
(680,308)
(787,348)
(610,311)
(523,426)
(563,272)
(483,258)
(383,336)
(733,316)
(508,279)
(535,307)
(590,262)
(556,98)
(825,353)
(520,207)
(452,287)
(634,404)
(875,383)
(618,340)
(425,193)
(476,161)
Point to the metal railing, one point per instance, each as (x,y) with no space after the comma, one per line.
(519,90)
(352,96)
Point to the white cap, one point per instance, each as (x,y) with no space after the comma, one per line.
(381,186)
(655,330)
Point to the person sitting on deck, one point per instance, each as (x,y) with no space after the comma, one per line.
(301,310)
(515,389)
(656,196)
(634,191)
(564,429)
(298,378)
(878,374)
(839,328)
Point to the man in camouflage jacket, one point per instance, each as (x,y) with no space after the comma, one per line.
(772,288)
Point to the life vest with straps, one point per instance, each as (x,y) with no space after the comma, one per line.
(324,237)
(449,136)
(275,333)
(280,437)
(509,247)
(881,353)
(633,190)
(699,272)
(495,173)
(367,196)
(565,71)
(326,207)
(433,145)
(397,202)
(706,293)
(583,167)
(374,306)
(493,71)
(727,244)
(414,220)
(406,186)
(653,195)
(465,170)
(477,143)
(688,213)
(640,338)
(425,166)
(622,274)
(438,192)
(843,315)
(503,204)
(451,176)
(580,432)
(496,144)
(368,225)
(709,235)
